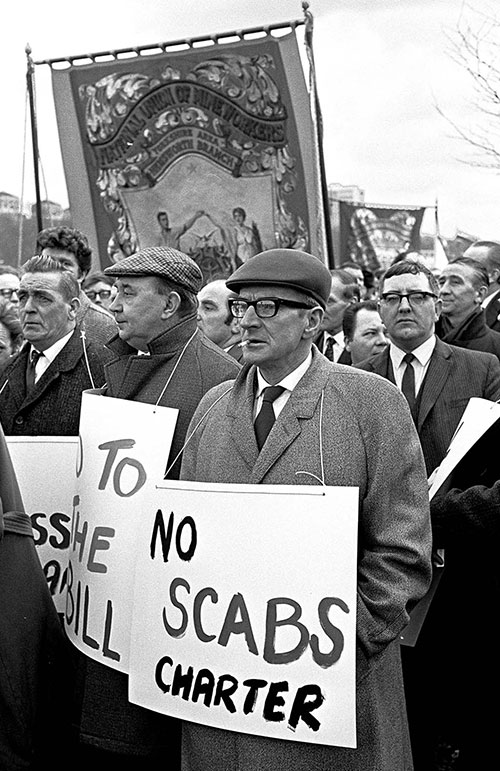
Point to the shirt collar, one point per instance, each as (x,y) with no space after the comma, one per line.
(290,381)
(56,348)
(423,353)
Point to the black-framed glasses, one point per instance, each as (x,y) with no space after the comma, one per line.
(7,293)
(264,307)
(104,294)
(415,299)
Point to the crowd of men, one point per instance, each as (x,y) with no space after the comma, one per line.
(283,365)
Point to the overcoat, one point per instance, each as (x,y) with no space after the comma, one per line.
(52,406)
(361,426)
(185,361)
(472,333)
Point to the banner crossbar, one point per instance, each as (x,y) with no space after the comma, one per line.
(214,39)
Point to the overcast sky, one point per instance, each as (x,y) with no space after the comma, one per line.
(382,66)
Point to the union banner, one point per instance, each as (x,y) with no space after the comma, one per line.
(210,149)
(374,235)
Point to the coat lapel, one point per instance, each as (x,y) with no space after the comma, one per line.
(436,377)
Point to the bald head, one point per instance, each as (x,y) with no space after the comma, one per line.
(214,316)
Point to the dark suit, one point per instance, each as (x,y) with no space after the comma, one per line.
(454,375)
(432,670)
(492,312)
(52,406)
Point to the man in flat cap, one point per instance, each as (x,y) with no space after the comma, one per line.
(340,427)
(159,352)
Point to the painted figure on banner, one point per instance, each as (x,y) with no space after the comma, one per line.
(170,236)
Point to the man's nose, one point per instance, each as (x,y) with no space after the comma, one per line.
(250,319)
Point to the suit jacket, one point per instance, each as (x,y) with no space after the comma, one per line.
(453,377)
(52,406)
(345,356)
(492,312)
(357,418)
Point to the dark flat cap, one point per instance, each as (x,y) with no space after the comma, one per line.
(162,261)
(285,267)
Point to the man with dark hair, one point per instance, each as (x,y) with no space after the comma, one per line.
(41,388)
(488,254)
(216,320)
(463,286)
(71,249)
(330,340)
(438,380)
(364,331)
(159,357)
(339,426)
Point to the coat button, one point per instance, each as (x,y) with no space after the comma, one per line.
(19,420)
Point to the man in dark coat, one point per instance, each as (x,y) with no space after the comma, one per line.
(445,378)
(42,395)
(466,523)
(160,357)
(341,427)
(463,285)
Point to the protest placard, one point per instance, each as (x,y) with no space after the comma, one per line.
(46,473)
(123,444)
(245,609)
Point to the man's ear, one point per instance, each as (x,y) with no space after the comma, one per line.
(74,304)
(315,319)
(172,303)
(481,293)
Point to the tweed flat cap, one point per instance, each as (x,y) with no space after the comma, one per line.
(160,261)
(285,267)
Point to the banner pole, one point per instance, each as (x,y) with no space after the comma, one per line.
(319,135)
(34,135)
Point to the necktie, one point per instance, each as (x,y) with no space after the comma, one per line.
(266,417)
(329,348)
(30,370)
(408,382)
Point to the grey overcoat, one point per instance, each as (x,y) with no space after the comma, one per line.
(369,441)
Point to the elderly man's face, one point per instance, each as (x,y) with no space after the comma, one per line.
(213,312)
(279,344)
(458,292)
(332,320)
(139,310)
(45,315)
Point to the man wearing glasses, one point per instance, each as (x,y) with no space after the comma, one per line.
(333,425)
(9,284)
(438,380)
(100,289)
